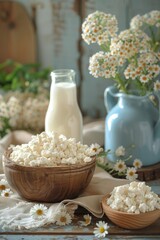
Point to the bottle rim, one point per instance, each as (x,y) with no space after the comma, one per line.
(62,72)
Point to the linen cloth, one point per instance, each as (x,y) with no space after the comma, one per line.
(14,211)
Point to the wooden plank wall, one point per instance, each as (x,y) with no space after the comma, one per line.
(59,43)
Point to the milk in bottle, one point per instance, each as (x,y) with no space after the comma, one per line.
(63,115)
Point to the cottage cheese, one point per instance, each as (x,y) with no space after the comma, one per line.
(53,150)
(135,197)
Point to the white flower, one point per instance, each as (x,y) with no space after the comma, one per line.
(99,27)
(100,160)
(38,211)
(137,163)
(131,174)
(120,166)
(87,220)
(95,149)
(120,151)
(157,86)
(101,229)
(63,218)
(6,193)
(123,57)
(3,184)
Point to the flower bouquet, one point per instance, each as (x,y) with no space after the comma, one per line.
(131,58)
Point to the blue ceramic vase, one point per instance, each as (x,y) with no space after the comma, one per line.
(132,121)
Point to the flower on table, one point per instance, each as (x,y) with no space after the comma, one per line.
(120,166)
(94,149)
(131,174)
(101,230)
(38,211)
(87,220)
(63,218)
(120,151)
(137,163)
(3,184)
(6,193)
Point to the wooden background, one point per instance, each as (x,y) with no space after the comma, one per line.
(57,25)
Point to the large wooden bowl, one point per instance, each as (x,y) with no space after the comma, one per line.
(48,184)
(129,220)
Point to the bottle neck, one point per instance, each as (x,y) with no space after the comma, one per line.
(63,93)
(63,76)
(63,87)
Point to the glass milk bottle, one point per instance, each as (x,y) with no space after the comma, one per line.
(63,115)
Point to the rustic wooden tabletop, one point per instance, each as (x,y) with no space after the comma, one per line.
(77,232)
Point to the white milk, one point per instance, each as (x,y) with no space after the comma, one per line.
(63,114)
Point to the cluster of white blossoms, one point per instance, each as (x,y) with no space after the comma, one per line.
(99,27)
(104,64)
(152,18)
(128,43)
(33,115)
(146,68)
(119,168)
(9,114)
(22,111)
(53,150)
(135,197)
(124,56)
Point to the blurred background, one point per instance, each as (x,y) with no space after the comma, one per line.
(48,32)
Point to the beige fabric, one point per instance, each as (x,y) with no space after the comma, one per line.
(101,184)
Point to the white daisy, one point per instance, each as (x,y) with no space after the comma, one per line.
(101,229)
(6,193)
(100,160)
(120,166)
(63,218)
(137,163)
(3,184)
(87,220)
(38,211)
(157,86)
(131,174)
(95,149)
(120,151)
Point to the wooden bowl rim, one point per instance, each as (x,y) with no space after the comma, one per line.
(104,204)
(8,162)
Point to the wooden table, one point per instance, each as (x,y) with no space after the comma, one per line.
(77,232)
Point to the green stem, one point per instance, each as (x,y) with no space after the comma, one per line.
(152,34)
(105,47)
(121,83)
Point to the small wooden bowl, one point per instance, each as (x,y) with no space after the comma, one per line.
(48,184)
(129,220)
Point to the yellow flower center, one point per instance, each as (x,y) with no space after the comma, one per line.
(2,187)
(120,165)
(6,194)
(101,230)
(137,164)
(63,219)
(95,149)
(87,221)
(131,173)
(39,212)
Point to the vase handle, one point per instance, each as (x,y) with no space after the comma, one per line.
(110,100)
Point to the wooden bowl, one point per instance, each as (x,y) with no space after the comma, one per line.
(129,220)
(48,184)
